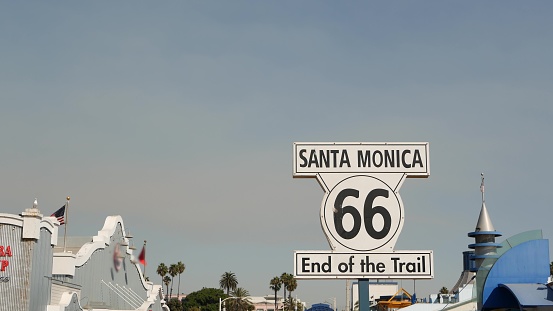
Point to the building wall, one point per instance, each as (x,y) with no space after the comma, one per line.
(103,273)
(26,262)
(41,271)
(108,281)
(15,291)
(106,274)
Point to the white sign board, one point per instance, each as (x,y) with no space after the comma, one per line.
(362,213)
(311,159)
(356,265)
(361,209)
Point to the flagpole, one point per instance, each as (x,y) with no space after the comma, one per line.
(143,247)
(66,221)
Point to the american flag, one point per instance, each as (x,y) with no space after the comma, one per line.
(60,215)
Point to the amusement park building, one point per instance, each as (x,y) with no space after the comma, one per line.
(96,273)
(512,275)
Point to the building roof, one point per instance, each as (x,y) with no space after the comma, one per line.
(484,222)
(529,295)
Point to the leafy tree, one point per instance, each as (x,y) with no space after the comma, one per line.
(166,281)
(172,272)
(242,301)
(300,305)
(444,290)
(180,269)
(275,285)
(206,299)
(174,304)
(162,270)
(228,282)
(551,268)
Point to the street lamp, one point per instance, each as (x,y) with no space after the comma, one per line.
(221,301)
(334,300)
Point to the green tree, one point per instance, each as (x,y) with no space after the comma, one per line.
(162,271)
(228,282)
(173,271)
(551,268)
(166,281)
(206,299)
(444,290)
(275,285)
(242,301)
(180,269)
(300,306)
(174,304)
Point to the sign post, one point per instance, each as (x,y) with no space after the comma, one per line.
(362,212)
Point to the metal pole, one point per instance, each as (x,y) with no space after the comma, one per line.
(363,289)
(66,222)
(143,247)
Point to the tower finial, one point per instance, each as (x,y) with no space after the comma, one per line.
(482,187)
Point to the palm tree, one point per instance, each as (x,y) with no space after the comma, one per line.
(162,270)
(285,278)
(172,272)
(275,285)
(242,302)
(180,269)
(166,281)
(291,286)
(228,281)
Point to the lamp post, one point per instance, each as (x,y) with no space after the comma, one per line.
(334,300)
(221,301)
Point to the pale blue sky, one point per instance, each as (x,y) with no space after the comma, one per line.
(180,116)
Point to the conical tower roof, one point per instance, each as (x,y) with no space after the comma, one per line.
(484,222)
(484,225)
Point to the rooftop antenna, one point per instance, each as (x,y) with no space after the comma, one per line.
(482,187)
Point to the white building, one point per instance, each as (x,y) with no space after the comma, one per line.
(95,273)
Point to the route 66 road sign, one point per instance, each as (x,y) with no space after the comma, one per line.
(362,213)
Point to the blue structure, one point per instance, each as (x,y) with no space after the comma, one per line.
(320,307)
(513,274)
(517,279)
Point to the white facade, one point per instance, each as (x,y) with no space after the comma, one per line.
(98,273)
